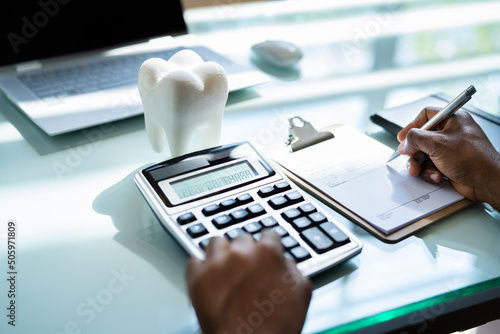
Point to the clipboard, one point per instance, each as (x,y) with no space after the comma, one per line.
(303,136)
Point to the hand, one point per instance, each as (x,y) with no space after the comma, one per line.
(248,287)
(458,149)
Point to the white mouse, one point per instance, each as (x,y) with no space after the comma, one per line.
(278,53)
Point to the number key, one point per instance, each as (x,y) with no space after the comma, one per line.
(317,239)
(197,230)
(289,242)
(300,253)
(280,230)
(291,214)
(252,227)
(234,233)
(268,222)
(240,214)
(204,243)
(256,210)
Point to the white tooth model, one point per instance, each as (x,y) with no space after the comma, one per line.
(180,97)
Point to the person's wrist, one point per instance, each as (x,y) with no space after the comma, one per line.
(492,183)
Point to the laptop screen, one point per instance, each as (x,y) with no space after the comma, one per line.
(38,29)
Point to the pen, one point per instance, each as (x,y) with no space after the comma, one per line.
(444,113)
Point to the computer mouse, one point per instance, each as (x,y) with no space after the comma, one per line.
(278,53)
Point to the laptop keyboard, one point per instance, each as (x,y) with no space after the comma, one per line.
(105,74)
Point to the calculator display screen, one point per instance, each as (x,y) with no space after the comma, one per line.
(214,179)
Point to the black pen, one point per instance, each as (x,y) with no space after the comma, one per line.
(444,113)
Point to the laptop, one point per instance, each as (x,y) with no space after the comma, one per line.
(69,65)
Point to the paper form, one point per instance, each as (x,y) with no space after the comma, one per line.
(352,170)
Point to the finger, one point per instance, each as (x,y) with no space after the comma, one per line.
(430,173)
(427,170)
(422,118)
(420,158)
(415,163)
(414,167)
(418,140)
(193,267)
(216,247)
(243,242)
(272,239)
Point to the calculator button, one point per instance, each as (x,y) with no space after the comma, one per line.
(289,242)
(307,208)
(223,221)
(252,227)
(282,186)
(211,209)
(240,214)
(317,217)
(266,191)
(257,236)
(280,230)
(245,198)
(278,202)
(301,223)
(334,232)
(256,210)
(268,222)
(291,214)
(197,230)
(186,218)
(228,204)
(317,239)
(288,255)
(204,243)
(294,197)
(234,233)
(300,253)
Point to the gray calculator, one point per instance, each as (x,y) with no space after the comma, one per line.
(233,189)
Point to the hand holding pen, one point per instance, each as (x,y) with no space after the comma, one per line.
(444,113)
(458,149)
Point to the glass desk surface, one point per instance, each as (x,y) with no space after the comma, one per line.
(91,256)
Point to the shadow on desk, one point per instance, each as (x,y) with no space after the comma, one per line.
(461,235)
(140,231)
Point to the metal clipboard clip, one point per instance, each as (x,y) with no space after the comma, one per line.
(302,134)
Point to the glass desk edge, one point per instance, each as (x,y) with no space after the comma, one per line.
(406,310)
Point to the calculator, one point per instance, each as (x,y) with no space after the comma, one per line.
(233,189)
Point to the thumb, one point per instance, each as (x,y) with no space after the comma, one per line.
(193,268)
